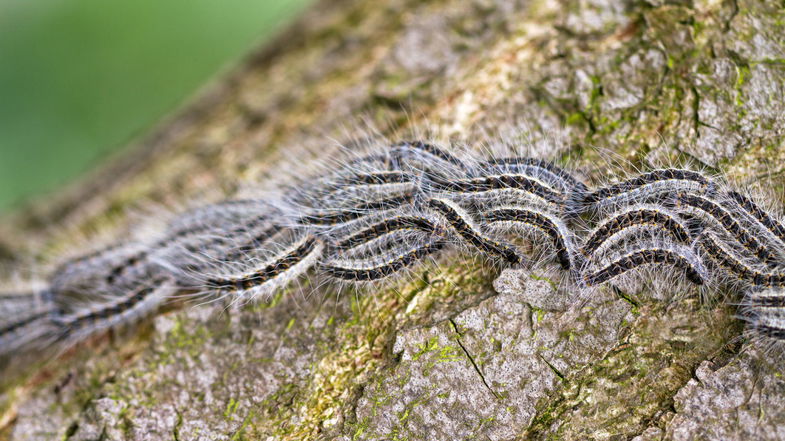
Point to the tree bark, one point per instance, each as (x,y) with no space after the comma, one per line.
(473,354)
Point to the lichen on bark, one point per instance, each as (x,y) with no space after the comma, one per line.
(460,351)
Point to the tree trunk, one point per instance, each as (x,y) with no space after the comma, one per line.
(473,354)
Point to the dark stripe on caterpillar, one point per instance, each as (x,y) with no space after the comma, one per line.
(497,182)
(538,221)
(764,218)
(627,219)
(222,236)
(471,234)
(376,178)
(419,147)
(71,264)
(385,227)
(342,216)
(728,223)
(22,296)
(644,257)
(253,244)
(770,331)
(123,266)
(23,322)
(269,271)
(731,263)
(768,301)
(132,261)
(75,322)
(566,180)
(385,269)
(652,177)
(216,215)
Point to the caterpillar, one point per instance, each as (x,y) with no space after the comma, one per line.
(735,265)
(491,183)
(727,221)
(375,216)
(333,218)
(288,263)
(678,257)
(365,272)
(557,178)
(646,187)
(132,304)
(463,225)
(763,220)
(25,318)
(637,216)
(765,312)
(540,221)
(385,227)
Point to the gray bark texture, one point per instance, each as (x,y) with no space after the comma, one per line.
(465,351)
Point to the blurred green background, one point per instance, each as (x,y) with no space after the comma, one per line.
(80,78)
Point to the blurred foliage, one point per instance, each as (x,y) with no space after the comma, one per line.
(80,78)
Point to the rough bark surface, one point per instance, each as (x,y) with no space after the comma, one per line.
(465,352)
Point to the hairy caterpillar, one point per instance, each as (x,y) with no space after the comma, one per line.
(552,227)
(729,261)
(492,183)
(643,216)
(289,264)
(375,216)
(726,220)
(133,304)
(765,312)
(646,187)
(679,257)
(539,169)
(386,227)
(465,228)
(376,270)
(332,218)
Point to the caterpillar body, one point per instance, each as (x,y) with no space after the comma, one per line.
(372,217)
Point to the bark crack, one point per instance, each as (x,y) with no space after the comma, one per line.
(177,425)
(471,360)
(553,368)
